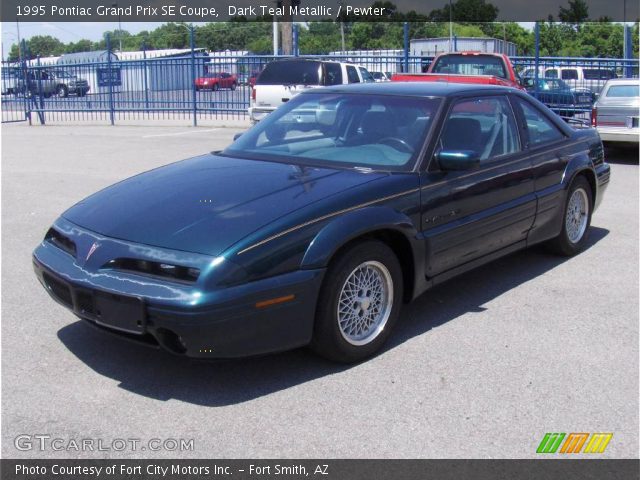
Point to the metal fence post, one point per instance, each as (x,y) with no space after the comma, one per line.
(39,75)
(22,49)
(110,80)
(296,51)
(145,80)
(628,50)
(193,77)
(537,58)
(405,29)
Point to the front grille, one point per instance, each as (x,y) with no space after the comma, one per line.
(84,303)
(61,241)
(58,289)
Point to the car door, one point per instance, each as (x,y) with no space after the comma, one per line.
(545,142)
(470,211)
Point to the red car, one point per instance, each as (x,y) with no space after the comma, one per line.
(216,80)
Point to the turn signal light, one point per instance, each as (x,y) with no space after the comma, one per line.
(275,301)
(594,117)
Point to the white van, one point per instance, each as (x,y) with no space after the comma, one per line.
(283,79)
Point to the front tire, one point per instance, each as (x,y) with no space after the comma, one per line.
(62,91)
(359,303)
(576,219)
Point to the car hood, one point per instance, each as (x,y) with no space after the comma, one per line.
(208,203)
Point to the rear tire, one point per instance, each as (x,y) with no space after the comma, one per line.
(215,87)
(576,219)
(359,303)
(233,86)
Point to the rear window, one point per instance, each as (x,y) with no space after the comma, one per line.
(569,74)
(291,73)
(470,65)
(598,74)
(624,91)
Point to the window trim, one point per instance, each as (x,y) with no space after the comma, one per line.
(431,165)
(525,129)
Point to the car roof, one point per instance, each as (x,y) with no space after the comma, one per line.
(413,89)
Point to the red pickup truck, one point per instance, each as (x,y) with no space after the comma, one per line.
(467,67)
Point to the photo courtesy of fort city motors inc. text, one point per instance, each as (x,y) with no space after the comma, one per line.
(328,239)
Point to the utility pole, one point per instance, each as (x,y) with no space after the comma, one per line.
(450,26)
(19,42)
(275,36)
(624,29)
(287,29)
(342,26)
(115,4)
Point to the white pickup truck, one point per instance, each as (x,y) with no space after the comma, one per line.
(282,79)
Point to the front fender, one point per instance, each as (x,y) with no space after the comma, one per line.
(355,224)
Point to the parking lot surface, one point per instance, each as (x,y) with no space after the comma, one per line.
(482,366)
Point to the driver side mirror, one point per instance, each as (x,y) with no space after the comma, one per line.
(458,159)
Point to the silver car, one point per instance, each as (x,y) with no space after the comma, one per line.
(615,114)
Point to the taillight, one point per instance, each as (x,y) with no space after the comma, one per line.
(253,93)
(594,117)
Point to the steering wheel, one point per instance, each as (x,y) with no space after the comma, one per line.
(396,142)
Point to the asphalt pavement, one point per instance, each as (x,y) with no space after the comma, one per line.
(482,366)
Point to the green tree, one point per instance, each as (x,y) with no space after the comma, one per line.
(466,11)
(576,13)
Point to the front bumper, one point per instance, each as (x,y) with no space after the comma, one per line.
(227,324)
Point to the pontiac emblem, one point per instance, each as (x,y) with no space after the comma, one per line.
(93,248)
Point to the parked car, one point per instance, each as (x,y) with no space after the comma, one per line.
(281,80)
(467,67)
(37,82)
(216,80)
(578,78)
(68,84)
(10,79)
(615,114)
(558,96)
(380,77)
(313,229)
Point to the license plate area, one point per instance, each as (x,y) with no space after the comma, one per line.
(120,312)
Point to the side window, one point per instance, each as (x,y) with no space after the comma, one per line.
(352,74)
(333,73)
(541,129)
(570,74)
(552,73)
(485,126)
(366,76)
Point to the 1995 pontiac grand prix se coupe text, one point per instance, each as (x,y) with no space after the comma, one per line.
(314,226)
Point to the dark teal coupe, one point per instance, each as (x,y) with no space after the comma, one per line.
(315,226)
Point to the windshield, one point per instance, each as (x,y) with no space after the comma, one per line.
(470,65)
(300,72)
(347,130)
